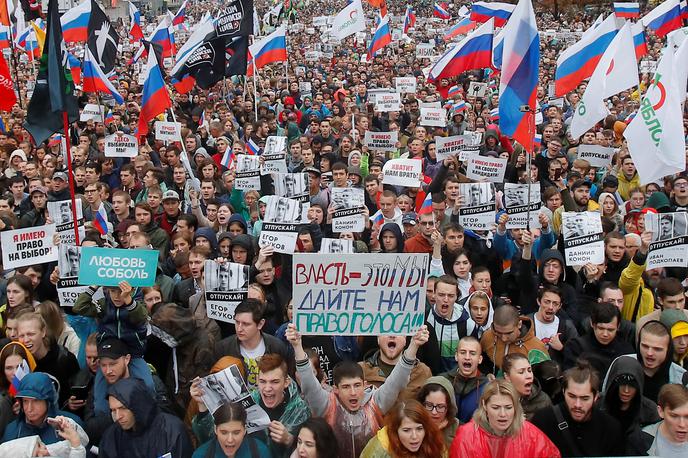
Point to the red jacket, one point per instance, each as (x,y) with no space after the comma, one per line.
(418,244)
(475,442)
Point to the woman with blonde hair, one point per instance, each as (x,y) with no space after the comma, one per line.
(499,429)
(409,432)
(58,328)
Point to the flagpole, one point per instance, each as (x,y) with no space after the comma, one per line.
(255,88)
(65,121)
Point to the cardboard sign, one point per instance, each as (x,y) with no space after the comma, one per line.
(478,209)
(405,84)
(435,117)
(121,145)
(354,294)
(516,205)
(226,285)
(348,204)
(62,216)
(476,89)
(110,266)
(455,146)
(596,155)
(403,172)
(168,131)
(247,176)
(425,50)
(388,102)
(381,141)
(490,168)
(583,238)
(669,247)
(25,247)
(92,111)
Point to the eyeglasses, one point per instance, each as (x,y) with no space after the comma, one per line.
(427,223)
(440,408)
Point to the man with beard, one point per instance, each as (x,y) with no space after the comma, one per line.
(379,365)
(466,378)
(576,426)
(575,200)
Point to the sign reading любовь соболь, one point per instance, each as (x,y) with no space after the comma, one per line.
(356,294)
(111,266)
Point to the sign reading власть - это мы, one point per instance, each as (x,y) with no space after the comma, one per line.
(110,266)
(359,294)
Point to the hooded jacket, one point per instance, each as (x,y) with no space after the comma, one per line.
(373,374)
(154,434)
(39,385)
(448,334)
(448,431)
(467,392)
(537,400)
(642,411)
(468,327)
(496,349)
(238,218)
(396,231)
(474,441)
(209,234)
(246,242)
(589,348)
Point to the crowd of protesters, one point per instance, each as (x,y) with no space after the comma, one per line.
(520,355)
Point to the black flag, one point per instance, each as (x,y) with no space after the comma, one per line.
(157,49)
(54,91)
(236,54)
(235,18)
(206,63)
(102,39)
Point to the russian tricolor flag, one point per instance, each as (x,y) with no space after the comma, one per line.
(161,36)
(453,91)
(441,10)
(639,40)
(520,72)
(684,10)
(579,61)
(100,220)
(381,38)
(665,18)
(473,52)
(627,10)
(272,48)
(462,27)
(155,97)
(180,17)
(109,117)
(483,11)
(252,147)
(494,114)
(4,37)
(135,30)
(537,141)
(379,218)
(95,80)
(409,19)
(228,159)
(74,65)
(458,107)
(426,206)
(75,23)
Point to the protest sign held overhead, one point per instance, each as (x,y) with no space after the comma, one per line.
(583,238)
(61,214)
(596,155)
(226,285)
(68,287)
(669,247)
(121,145)
(336,246)
(358,295)
(110,266)
(486,168)
(434,117)
(348,206)
(402,172)
(168,131)
(281,224)
(291,185)
(274,156)
(456,145)
(516,205)
(478,209)
(247,176)
(25,247)
(381,141)
(405,84)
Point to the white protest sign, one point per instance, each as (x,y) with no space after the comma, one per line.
(381,141)
(336,246)
(478,210)
(311,56)
(436,117)
(168,131)
(92,111)
(403,172)
(226,285)
(476,89)
(455,145)
(388,102)
(121,145)
(274,155)
(558,102)
(348,204)
(374,92)
(247,177)
(425,50)
(355,294)
(305,87)
(61,214)
(648,66)
(24,247)
(490,168)
(516,205)
(669,246)
(282,237)
(596,155)
(583,238)
(68,287)
(405,84)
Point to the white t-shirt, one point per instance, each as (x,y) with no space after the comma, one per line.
(250,357)
(545,331)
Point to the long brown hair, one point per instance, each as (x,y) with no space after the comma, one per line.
(433,442)
(11,349)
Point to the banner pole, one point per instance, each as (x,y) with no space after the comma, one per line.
(65,121)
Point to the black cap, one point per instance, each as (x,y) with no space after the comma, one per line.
(580,183)
(112,347)
(610,181)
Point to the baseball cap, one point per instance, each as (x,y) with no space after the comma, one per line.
(312,170)
(610,181)
(41,189)
(113,348)
(61,176)
(410,218)
(170,194)
(676,321)
(580,183)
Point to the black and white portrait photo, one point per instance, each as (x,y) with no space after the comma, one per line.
(228,276)
(290,184)
(68,260)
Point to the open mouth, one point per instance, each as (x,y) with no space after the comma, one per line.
(467,365)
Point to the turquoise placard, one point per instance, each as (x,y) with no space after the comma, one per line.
(110,266)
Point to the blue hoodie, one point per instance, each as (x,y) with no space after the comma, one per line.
(209,234)
(38,385)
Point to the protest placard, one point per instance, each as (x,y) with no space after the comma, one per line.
(516,205)
(92,112)
(348,204)
(110,266)
(121,145)
(228,386)
(247,177)
(456,145)
(425,50)
(583,238)
(476,89)
(381,141)
(483,167)
(226,285)
(61,214)
(478,209)
(434,117)
(292,185)
(374,92)
(388,102)
(355,294)
(405,84)
(669,246)
(402,172)
(281,224)
(25,247)
(274,155)
(168,131)
(68,287)
(336,246)
(596,155)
